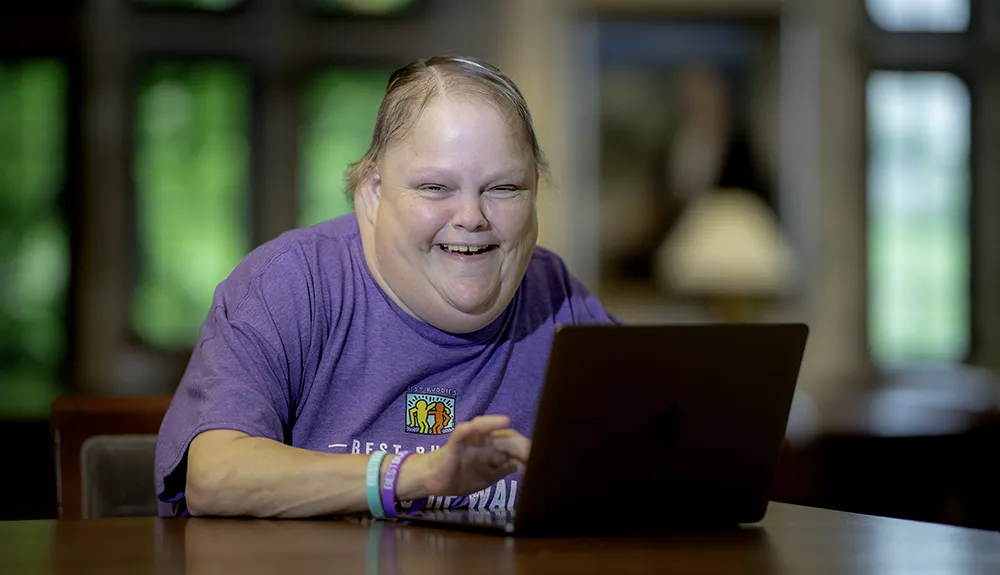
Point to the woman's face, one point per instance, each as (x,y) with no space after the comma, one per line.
(452,215)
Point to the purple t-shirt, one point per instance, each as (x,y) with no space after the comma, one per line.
(303,347)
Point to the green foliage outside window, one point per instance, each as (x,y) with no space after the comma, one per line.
(192,194)
(34,247)
(340,110)
(918,218)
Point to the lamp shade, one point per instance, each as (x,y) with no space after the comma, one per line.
(726,243)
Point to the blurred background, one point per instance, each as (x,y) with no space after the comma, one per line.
(824,161)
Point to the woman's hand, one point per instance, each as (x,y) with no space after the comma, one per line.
(478,454)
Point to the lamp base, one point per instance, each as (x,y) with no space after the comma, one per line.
(734,309)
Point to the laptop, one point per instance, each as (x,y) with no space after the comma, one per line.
(652,428)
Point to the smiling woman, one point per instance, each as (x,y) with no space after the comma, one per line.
(454,163)
(393,329)
(478,203)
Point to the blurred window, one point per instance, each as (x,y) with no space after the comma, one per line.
(225,122)
(362,7)
(207,5)
(920,15)
(918,217)
(192,178)
(340,106)
(34,242)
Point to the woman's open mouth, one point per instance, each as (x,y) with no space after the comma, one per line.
(467,250)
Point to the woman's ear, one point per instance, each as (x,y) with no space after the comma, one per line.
(370,194)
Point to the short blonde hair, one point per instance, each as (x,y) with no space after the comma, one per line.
(413,86)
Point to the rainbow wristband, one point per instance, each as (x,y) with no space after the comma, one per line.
(389,483)
(372,483)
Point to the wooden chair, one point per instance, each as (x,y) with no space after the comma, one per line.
(104,449)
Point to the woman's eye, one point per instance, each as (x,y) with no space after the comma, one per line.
(506,191)
(432,188)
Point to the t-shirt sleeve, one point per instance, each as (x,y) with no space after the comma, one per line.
(586,308)
(580,306)
(240,376)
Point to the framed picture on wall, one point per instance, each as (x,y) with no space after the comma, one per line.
(685,108)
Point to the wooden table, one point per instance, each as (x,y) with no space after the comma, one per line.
(791,539)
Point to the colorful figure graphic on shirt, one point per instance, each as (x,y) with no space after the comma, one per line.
(441,418)
(430,413)
(418,416)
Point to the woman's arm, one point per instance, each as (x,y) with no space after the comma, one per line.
(233,474)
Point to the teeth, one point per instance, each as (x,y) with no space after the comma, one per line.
(465,249)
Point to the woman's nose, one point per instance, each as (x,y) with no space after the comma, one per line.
(469,213)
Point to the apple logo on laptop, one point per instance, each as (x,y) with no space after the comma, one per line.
(666,425)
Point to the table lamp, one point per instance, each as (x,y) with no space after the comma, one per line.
(728,251)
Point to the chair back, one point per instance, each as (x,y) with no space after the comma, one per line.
(105,449)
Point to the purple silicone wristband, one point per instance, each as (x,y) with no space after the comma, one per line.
(416,505)
(389,483)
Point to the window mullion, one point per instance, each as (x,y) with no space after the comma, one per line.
(987,14)
(191,33)
(274,144)
(919,51)
(104,262)
(986,213)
